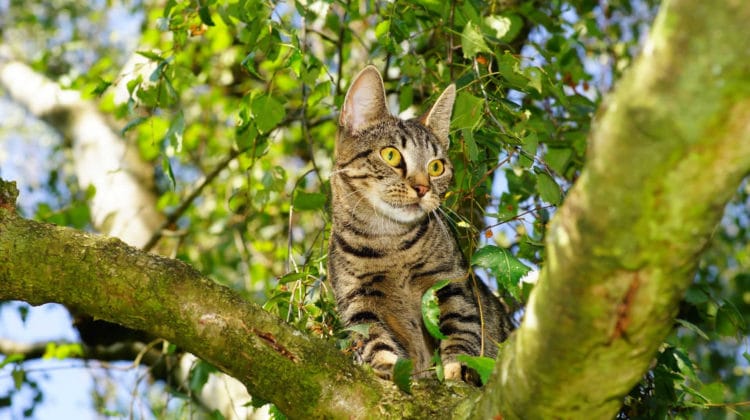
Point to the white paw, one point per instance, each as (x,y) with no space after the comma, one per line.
(452,371)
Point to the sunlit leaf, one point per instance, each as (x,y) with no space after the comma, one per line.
(12,358)
(506,268)
(431,310)
(472,41)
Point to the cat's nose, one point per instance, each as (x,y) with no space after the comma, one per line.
(421,189)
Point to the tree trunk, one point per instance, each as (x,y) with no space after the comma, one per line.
(666,153)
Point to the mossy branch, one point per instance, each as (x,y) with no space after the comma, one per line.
(304,376)
(667,151)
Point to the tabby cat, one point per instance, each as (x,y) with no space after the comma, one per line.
(389,243)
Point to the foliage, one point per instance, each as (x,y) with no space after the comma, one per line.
(248,89)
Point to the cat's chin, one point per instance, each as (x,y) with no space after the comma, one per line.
(401,213)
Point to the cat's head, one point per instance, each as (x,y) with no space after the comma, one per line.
(397,168)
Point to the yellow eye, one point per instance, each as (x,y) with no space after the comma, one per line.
(436,168)
(391,156)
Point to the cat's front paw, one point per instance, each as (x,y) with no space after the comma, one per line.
(455,371)
(452,371)
(382,364)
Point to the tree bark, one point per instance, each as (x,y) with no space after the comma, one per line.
(666,153)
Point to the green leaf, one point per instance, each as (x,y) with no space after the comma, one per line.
(101,87)
(382,29)
(472,41)
(402,370)
(268,112)
(205,16)
(166,166)
(309,201)
(431,310)
(62,351)
(199,375)
(498,25)
(509,66)
(439,368)
(692,327)
(176,129)
(729,320)
(483,365)
(714,392)
(361,329)
(548,189)
(135,122)
(18,377)
(557,158)
(471,144)
(506,268)
(504,27)
(150,55)
(275,413)
(468,111)
(12,358)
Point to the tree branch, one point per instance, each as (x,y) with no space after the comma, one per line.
(304,376)
(668,151)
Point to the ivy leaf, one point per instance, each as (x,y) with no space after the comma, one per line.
(472,41)
(483,365)
(506,268)
(431,310)
(402,374)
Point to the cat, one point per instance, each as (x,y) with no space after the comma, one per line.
(389,243)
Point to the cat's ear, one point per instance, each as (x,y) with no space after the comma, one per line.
(365,101)
(438,118)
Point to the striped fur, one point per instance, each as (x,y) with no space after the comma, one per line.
(389,241)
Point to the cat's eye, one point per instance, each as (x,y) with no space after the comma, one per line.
(391,156)
(436,168)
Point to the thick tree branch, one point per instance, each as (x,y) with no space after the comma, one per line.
(668,151)
(304,376)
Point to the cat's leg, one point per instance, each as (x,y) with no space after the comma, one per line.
(461,320)
(379,350)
